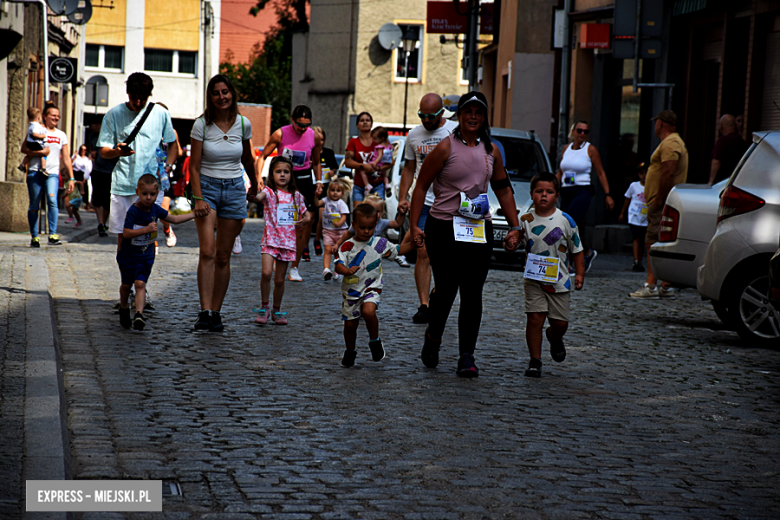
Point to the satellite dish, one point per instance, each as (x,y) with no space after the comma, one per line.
(390,36)
(58,6)
(72,5)
(81,15)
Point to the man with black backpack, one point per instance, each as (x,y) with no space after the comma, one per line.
(130,135)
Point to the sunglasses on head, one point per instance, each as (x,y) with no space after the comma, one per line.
(582,131)
(429,117)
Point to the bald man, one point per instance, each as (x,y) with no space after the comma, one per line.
(421,141)
(729,149)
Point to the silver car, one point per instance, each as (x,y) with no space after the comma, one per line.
(735,271)
(687,226)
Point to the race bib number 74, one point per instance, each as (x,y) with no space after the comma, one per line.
(542,268)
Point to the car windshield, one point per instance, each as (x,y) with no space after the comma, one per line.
(522,158)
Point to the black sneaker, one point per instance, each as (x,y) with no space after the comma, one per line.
(466,366)
(318,248)
(534,368)
(430,351)
(216,322)
(421,316)
(139,322)
(102,230)
(557,349)
(35,242)
(638,267)
(204,321)
(377,350)
(124,318)
(305,256)
(54,240)
(348,361)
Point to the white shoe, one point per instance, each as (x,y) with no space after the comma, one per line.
(337,277)
(293,276)
(170,238)
(401,260)
(666,293)
(237,246)
(645,292)
(327,274)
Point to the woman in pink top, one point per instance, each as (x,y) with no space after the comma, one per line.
(460,239)
(301,145)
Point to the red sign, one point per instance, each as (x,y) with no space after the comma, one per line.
(486,19)
(443,18)
(595,36)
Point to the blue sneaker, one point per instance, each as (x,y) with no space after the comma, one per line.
(589,259)
(466,366)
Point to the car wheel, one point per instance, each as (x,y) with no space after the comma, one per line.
(722,312)
(750,312)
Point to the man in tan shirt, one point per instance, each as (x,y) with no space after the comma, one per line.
(668,168)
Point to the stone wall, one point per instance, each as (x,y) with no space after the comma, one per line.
(13,203)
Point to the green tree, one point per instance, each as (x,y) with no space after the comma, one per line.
(267,79)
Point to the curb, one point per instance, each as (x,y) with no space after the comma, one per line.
(46,442)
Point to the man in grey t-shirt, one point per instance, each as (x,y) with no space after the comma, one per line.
(421,141)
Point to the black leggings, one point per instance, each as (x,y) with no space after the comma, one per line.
(457,266)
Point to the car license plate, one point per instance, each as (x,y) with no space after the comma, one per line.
(499,234)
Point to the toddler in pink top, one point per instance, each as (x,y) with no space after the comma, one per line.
(283,208)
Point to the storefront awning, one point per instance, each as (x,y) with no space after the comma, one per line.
(688,6)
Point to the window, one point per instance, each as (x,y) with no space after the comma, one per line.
(105,56)
(179,62)
(414,64)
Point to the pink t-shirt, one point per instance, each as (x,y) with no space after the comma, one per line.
(274,235)
(466,170)
(297,147)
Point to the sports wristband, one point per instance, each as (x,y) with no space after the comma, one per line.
(608,195)
(516,228)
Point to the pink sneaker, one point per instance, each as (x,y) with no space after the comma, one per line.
(78,225)
(279,317)
(262,316)
(69,220)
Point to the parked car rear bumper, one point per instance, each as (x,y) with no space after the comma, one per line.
(678,262)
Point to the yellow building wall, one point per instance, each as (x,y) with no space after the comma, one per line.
(172,24)
(107,26)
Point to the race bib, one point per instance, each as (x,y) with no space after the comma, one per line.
(542,268)
(143,240)
(475,208)
(568,179)
(296,157)
(469,230)
(334,217)
(387,156)
(287,214)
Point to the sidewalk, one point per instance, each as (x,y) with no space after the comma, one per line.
(66,231)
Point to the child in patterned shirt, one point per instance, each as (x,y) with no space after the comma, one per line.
(360,263)
(548,233)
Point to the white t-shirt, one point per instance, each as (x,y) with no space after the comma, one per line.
(55,140)
(332,211)
(35,128)
(221,158)
(420,142)
(82,164)
(637,209)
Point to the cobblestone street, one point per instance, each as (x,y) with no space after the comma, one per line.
(657,412)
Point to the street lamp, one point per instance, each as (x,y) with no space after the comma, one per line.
(410,38)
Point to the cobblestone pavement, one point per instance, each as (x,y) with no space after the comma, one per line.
(657,411)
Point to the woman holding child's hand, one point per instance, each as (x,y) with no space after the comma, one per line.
(459,232)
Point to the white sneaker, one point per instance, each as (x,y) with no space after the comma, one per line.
(666,293)
(337,277)
(170,238)
(293,276)
(401,260)
(645,292)
(237,246)
(327,274)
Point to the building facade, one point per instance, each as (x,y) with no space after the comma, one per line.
(340,69)
(176,42)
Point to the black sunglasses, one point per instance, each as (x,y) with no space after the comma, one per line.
(429,117)
(582,131)
(302,125)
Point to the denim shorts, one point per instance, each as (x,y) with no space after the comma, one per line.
(359,194)
(226,196)
(423,217)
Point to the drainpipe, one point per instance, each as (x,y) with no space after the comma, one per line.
(563,110)
(44,12)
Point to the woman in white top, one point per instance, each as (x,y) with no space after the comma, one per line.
(578,160)
(82,170)
(221,143)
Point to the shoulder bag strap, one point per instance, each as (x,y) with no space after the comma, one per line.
(134,133)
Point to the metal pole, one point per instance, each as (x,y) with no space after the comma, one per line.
(636,44)
(563,110)
(472,43)
(406,86)
(45,29)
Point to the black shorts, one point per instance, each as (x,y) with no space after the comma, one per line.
(101,189)
(34,146)
(638,232)
(307,188)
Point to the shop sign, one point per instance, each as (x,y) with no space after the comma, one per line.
(443,18)
(595,36)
